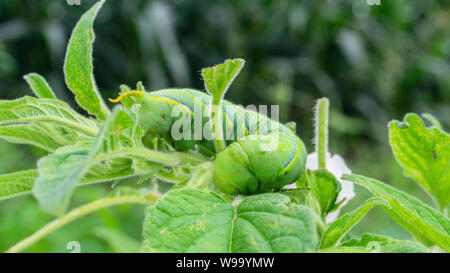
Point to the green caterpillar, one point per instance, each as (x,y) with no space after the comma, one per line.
(244,166)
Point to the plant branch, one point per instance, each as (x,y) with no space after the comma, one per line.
(217,81)
(216,117)
(166,159)
(321,133)
(80,212)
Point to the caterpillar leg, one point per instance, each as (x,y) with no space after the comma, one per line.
(247,166)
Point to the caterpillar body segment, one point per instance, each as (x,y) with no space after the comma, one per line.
(243,167)
(262,154)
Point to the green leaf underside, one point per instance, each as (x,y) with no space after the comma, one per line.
(189,220)
(78,67)
(58,175)
(16,184)
(61,171)
(23,134)
(424,154)
(218,78)
(337,230)
(39,86)
(425,223)
(28,110)
(384,244)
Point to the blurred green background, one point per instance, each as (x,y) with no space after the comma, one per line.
(375,63)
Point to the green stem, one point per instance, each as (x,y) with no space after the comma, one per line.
(171,177)
(320,224)
(322,131)
(79,212)
(217,125)
(167,159)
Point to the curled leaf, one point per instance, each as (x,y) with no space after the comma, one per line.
(78,67)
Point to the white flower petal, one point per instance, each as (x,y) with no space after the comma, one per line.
(291,186)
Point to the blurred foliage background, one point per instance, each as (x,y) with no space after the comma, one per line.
(375,63)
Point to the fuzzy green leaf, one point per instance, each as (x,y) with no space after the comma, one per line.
(337,230)
(272,223)
(384,244)
(424,154)
(61,171)
(117,151)
(190,220)
(45,123)
(58,175)
(27,110)
(425,223)
(39,86)
(16,184)
(119,155)
(324,187)
(23,134)
(218,78)
(78,66)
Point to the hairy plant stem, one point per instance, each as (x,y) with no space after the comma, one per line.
(80,212)
(321,133)
(217,127)
(321,226)
(171,177)
(167,159)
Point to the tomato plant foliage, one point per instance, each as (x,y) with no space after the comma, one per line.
(194,216)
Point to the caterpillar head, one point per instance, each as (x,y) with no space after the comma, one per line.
(154,113)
